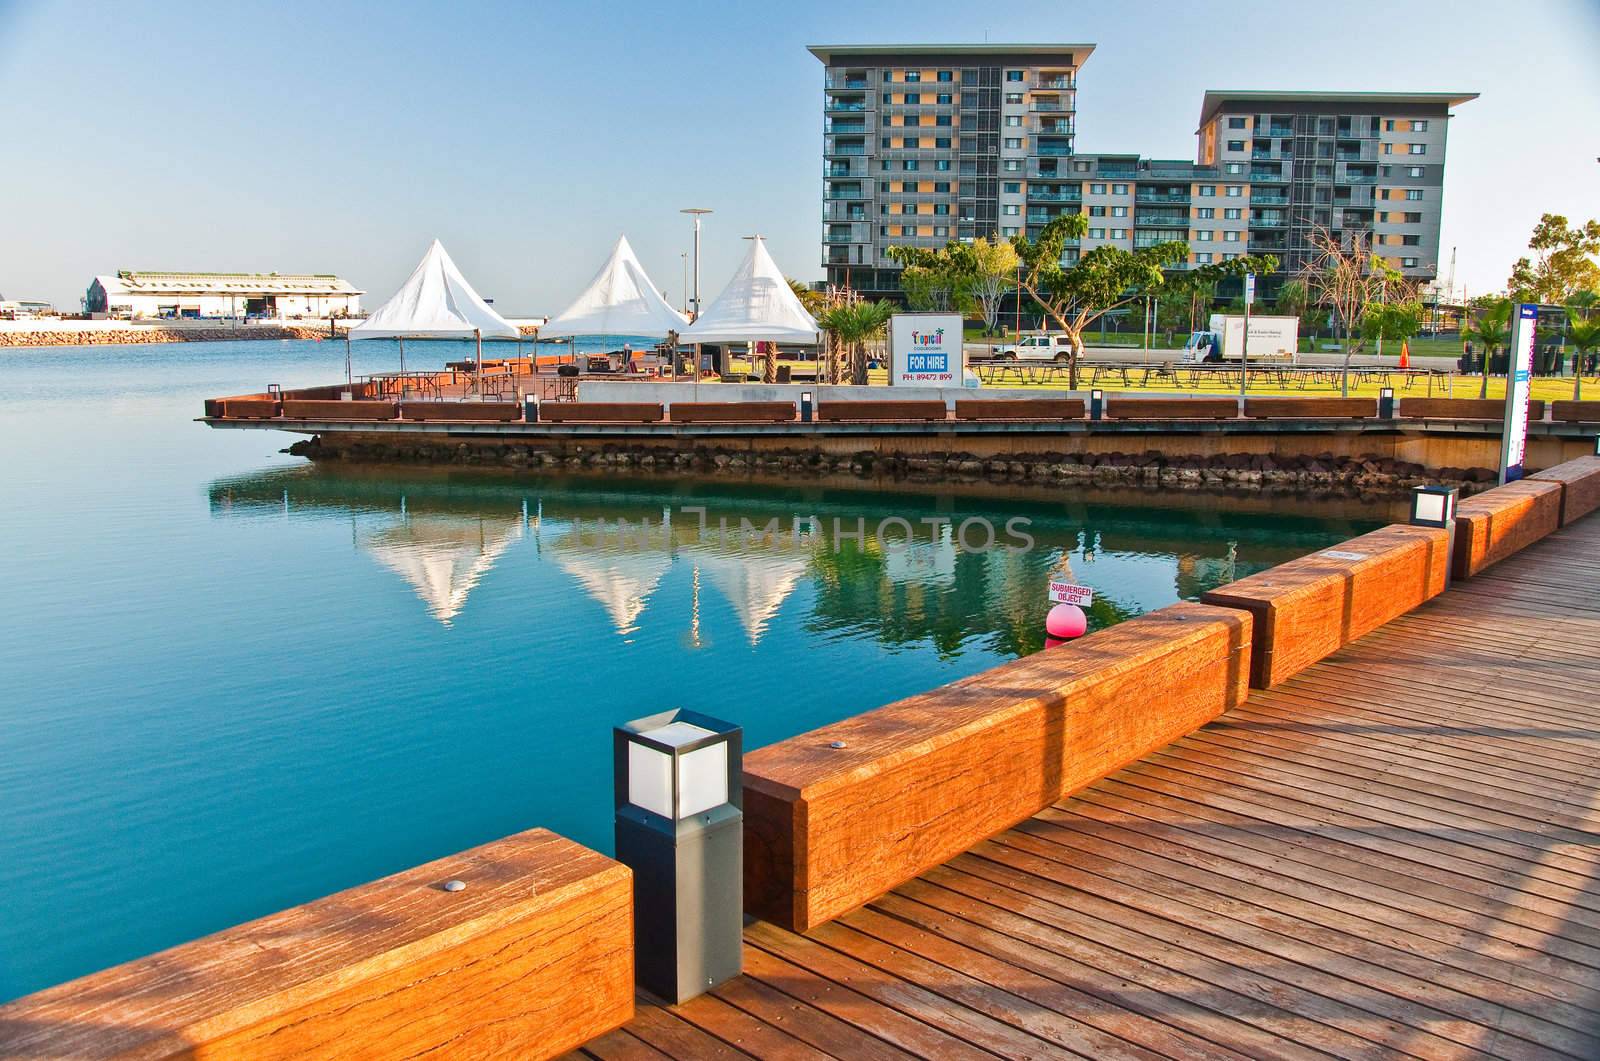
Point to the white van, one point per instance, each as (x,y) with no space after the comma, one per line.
(1055,348)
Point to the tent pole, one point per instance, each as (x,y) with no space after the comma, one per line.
(477,378)
(400,401)
(349,379)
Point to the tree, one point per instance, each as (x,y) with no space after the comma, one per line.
(985,270)
(1491,330)
(812,300)
(1291,301)
(852,324)
(1348,279)
(1583,332)
(1563,262)
(930,278)
(1392,320)
(1104,279)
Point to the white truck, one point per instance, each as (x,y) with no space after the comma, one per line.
(1036,348)
(1270,337)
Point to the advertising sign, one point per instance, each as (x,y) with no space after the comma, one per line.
(1514,437)
(925,350)
(1067,593)
(1249,289)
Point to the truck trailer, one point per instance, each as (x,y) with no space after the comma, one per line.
(1270,338)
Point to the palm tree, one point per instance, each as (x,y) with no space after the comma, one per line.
(1584,335)
(1492,331)
(852,324)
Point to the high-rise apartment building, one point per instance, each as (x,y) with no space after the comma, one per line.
(925,144)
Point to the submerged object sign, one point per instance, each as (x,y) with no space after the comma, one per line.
(925,349)
(1067,593)
(1514,437)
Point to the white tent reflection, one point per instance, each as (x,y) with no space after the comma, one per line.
(443,557)
(755,583)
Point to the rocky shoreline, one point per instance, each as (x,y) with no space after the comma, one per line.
(126,336)
(1322,473)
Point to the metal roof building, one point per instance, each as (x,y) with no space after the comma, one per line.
(136,294)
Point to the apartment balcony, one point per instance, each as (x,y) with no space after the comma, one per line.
(1277,132)
(1116,174)
(843,150)
(1045,107)
(1268,199)
(1269,222)
(843,84)
(845,193)
(1360,178)
(1052,150)
(855,128)
(1074,196)
(1268,177)
(1050,127)
(839,106)
(1268,245)
(837,211)
(1162,220)
(1141,240)
(1142,196)
(1044,84)
(1271,156)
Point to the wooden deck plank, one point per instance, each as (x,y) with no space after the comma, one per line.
(1394,853)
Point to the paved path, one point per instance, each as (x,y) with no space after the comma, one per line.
(1396,853)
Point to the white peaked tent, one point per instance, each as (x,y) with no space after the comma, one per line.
(620,300)
(442,557)
(757,304)
(436,301)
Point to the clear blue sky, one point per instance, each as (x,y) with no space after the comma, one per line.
(341,137)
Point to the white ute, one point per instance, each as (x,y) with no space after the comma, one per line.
(1037,348)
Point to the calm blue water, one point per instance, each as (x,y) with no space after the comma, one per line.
(234,682)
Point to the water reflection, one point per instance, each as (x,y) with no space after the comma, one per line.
(898,566)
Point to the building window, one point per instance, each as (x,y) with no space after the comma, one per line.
(883,164)
(942,209)
(1119,233)
(1205,213)
(1413,218)
(941,186)
(909,165)
(1230,236)
(942,165)
(1013,187)
(1383,171)
(1388,125)
(1009,230)
(1235,191)
(1414,194)
(1080,167)
(1236,123)
(1207,190)
(1097,211)
(888,97)
(941,141)
(1418,149)
(1013,143)
(943,99)
(888,75)
(1203,235)
(1232,213)
(1013,75)
(1408,263)
(1419,125)
(1012,165)
(1235,145)
(1097,189)
(1011,210)
(883,230)
(913,75)
(1413,171)
(912,98)
(1203,258)
(1119,189)
(942,119)
(1097,233)
(1233,168)
(1013,97)
(912,142)
(1388,149)
(1119,211)
(946,75)
(1410,241)
(1229,257)
(1013,121)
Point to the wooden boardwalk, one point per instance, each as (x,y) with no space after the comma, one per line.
(1395,853)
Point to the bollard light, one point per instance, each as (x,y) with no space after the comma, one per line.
(1597,445)
(806,407)
(680,827)
(1386,403)
(1097,404)
(1433,506)
(530,408)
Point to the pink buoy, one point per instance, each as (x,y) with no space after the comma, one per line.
(1065,622)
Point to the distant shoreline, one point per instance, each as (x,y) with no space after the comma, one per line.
(105,333)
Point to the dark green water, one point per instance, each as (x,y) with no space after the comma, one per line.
(235,682)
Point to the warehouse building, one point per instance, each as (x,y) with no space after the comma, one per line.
(139,295)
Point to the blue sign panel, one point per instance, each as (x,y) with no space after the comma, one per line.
(927,362)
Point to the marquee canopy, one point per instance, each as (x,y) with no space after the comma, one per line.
(757,304)
(620,300)
(436,301)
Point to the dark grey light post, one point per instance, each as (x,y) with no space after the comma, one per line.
(680,828)
(1435,506)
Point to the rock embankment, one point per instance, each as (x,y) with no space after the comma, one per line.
(119,336)
(1239,471)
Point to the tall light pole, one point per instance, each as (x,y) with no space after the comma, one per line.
(696,212)
(685,289)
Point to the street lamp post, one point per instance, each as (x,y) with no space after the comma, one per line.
(696,212)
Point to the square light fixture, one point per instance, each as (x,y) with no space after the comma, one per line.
(1433,506)
(807,407)
(678,764)
(1097,404)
